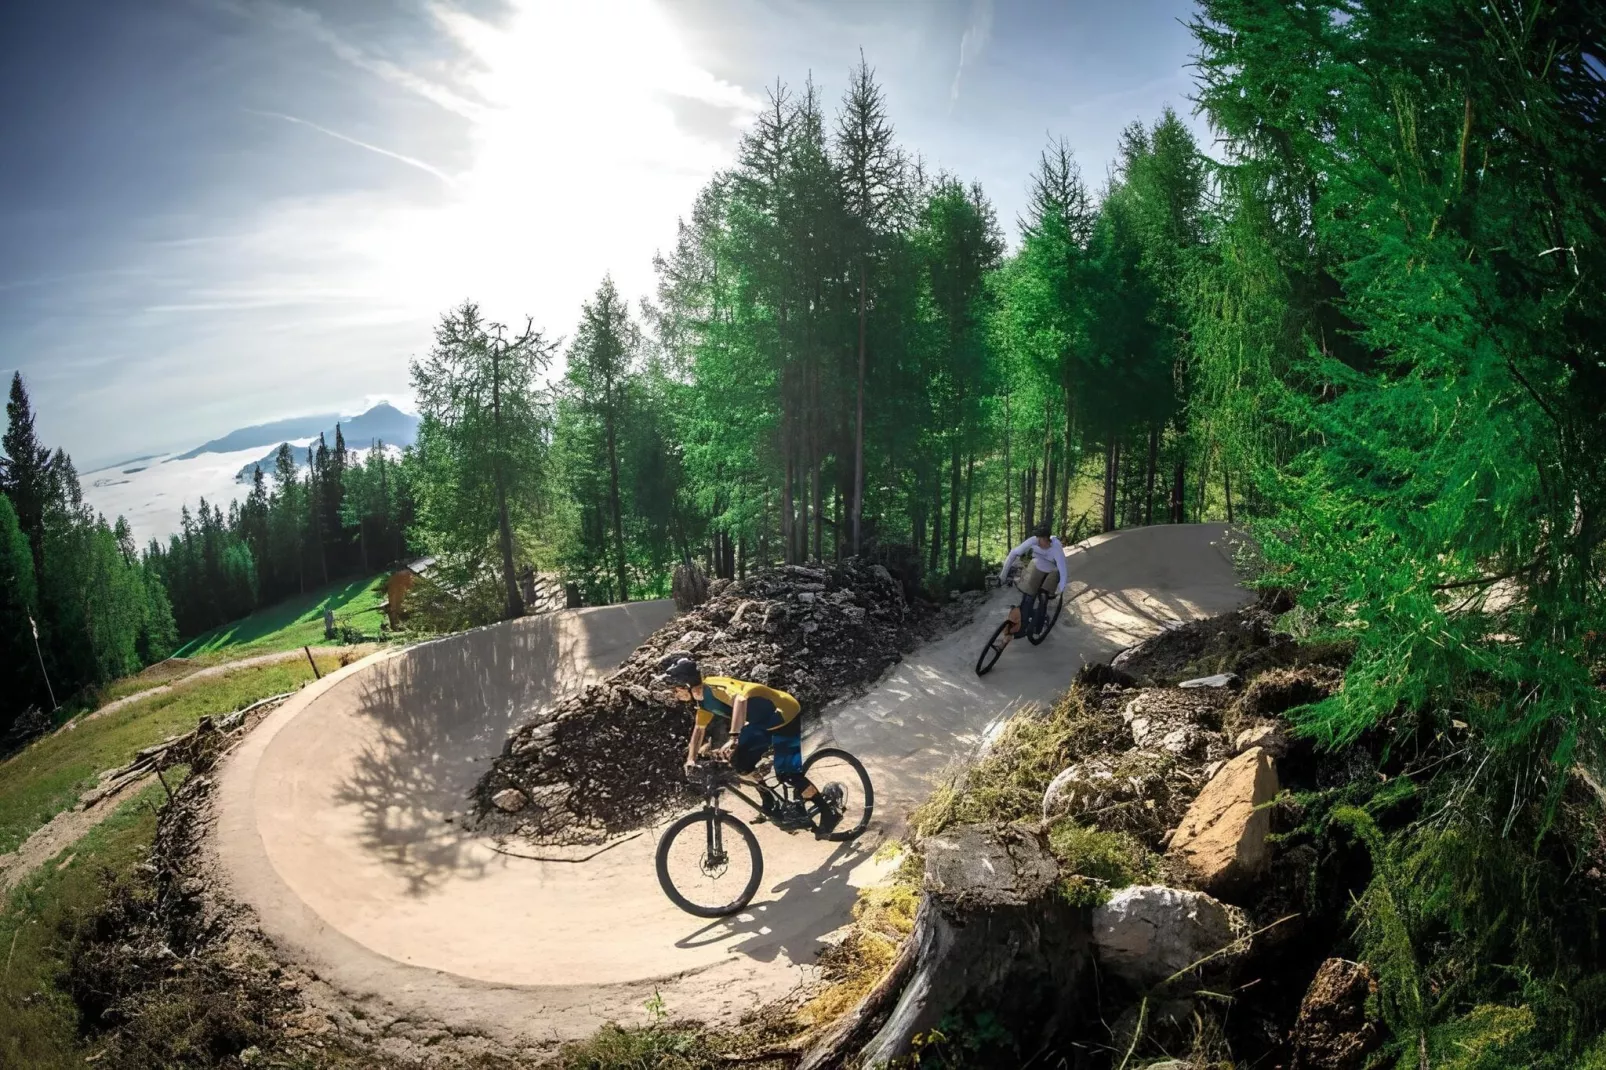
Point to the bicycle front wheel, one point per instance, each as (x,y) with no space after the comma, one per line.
(709,864)
(991,652)
(841,777)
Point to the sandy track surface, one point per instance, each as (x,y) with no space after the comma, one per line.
(333,815)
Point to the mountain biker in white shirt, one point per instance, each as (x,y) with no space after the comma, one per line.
(1048,557)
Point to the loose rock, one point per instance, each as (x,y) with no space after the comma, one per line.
(1268,736)
(510,800)
(1221,842)
(1148,933)
(1333,1031)
(1220,679)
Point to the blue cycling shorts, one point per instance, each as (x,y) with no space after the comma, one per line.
(786,740)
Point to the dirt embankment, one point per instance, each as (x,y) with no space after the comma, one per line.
(609,759)
(1159,804)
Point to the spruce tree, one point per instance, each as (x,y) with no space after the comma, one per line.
(25,469)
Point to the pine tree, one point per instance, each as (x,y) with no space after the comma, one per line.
(25,469)
(19,665)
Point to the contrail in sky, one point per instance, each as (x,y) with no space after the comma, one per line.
(975,39)
(408,160)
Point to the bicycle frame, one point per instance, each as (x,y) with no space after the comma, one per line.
(715,788)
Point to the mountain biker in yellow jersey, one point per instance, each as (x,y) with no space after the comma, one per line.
(1048,557)
(761,719)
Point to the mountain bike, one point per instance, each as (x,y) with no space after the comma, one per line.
(709,863)
(1045,616)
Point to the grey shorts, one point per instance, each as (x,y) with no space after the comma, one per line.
(1032,578)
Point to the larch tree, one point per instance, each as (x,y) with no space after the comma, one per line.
(481,440)
(871,169)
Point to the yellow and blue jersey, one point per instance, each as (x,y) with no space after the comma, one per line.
(767,707)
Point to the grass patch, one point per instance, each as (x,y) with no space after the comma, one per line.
(53,773)
(296,622)
(652,1047)
(1007,784)
(1095,863)
(883,917)
(39,1023)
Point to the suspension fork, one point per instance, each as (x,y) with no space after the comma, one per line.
(714,827)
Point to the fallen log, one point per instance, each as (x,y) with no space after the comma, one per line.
(992,935)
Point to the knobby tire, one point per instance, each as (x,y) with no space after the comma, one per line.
(697,820)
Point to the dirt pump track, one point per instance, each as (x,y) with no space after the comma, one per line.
(339,817)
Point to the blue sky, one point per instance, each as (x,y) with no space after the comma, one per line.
(221,212)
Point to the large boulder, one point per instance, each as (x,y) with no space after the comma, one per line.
(1150,933)
(1333,1031)
(1221,842)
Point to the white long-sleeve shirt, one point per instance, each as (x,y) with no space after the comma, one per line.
(1046,559)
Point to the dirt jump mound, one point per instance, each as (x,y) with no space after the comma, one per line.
(607,760)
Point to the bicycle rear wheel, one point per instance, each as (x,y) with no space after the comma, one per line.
(838,774)
(709,864)
(1046,616)
(991,652)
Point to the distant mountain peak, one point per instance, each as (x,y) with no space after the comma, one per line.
(384,422)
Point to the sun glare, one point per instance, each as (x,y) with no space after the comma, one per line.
(577,154)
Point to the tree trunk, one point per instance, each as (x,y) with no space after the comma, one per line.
(936,519)
(788,532)
(1051,470)
(1178,491)
(970,483)
(819,512)
(613,502)
(1070,465)
(515,606)
(1226,483)
(981,519)
(1108,517)
(992,935)
(953,507)
(802,523)
(1204,483)
(504,526)
(1029,501)
(1009,507)
(1154,454)
(858,423)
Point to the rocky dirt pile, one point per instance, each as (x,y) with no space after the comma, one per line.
(1243,644)
(609,759)
(1168,785)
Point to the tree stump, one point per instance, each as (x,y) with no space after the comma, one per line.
(992,934)
(689,586)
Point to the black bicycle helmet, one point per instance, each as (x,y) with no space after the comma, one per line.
(679,669)
(1043,531)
